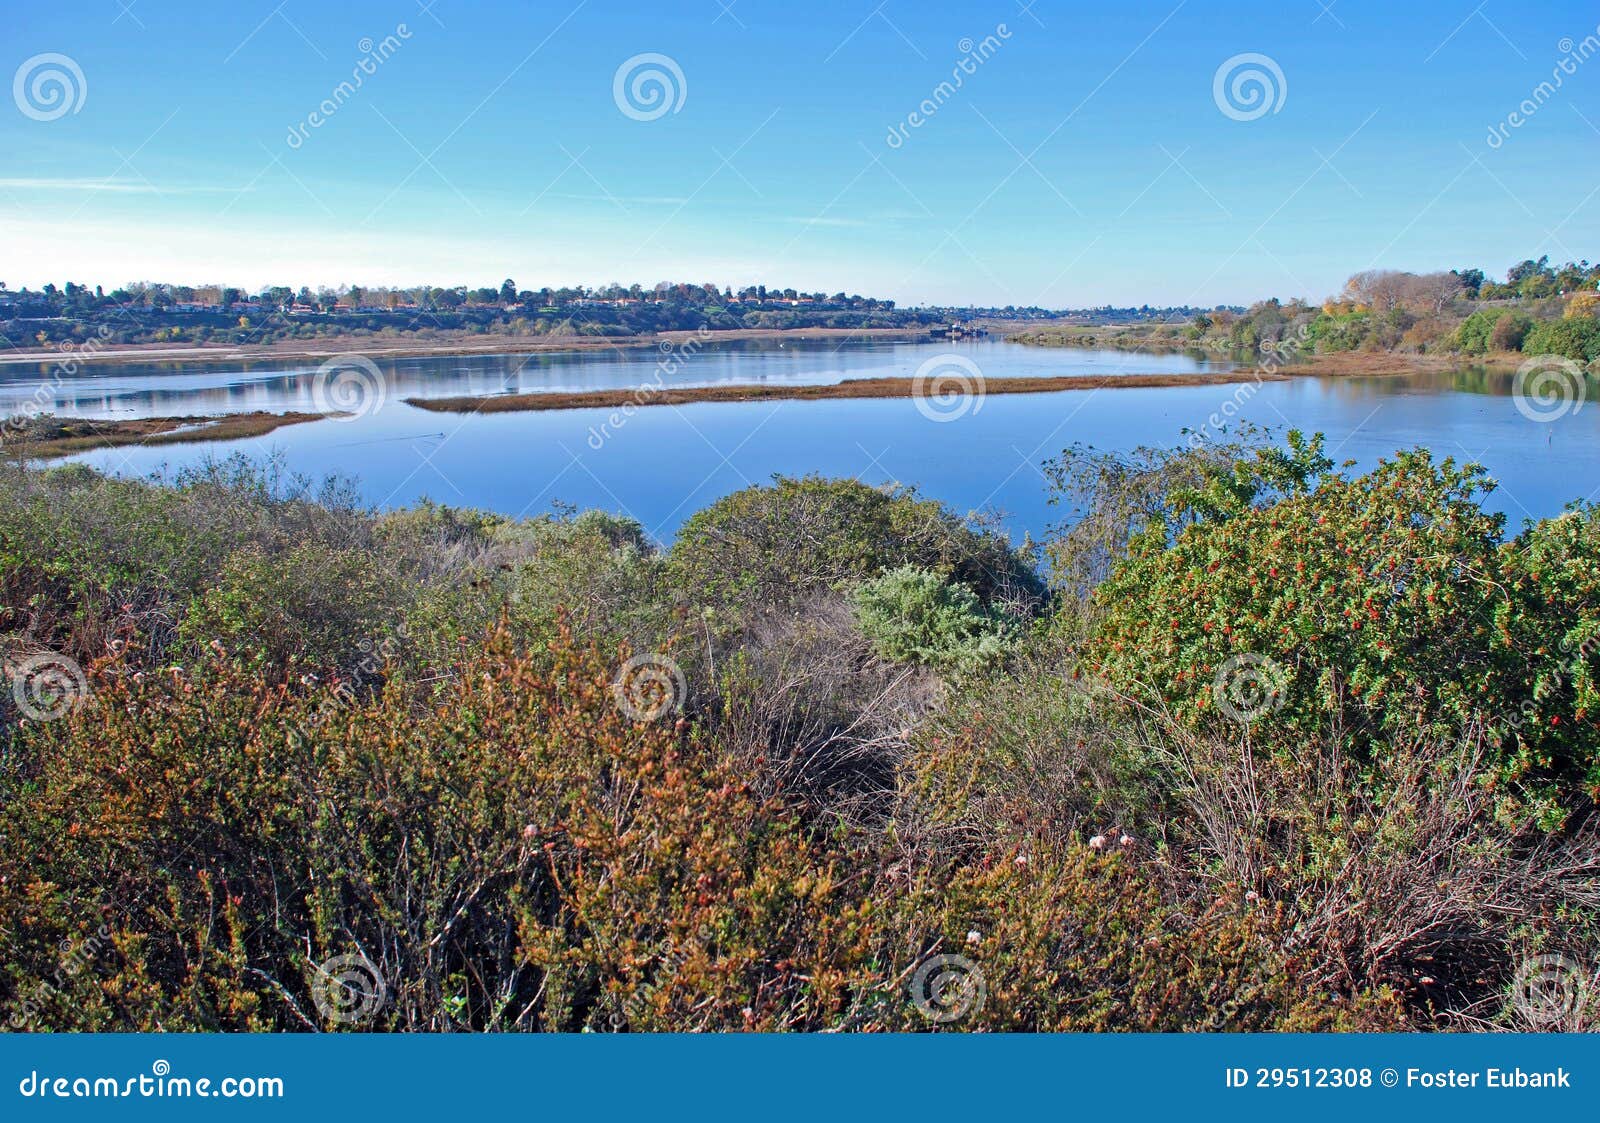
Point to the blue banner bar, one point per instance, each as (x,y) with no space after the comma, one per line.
(944,1076)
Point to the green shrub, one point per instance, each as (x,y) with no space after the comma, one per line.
(1346,332)
(1474,334)
(770,547)
(1374,606)
(1577,339)
(913,615)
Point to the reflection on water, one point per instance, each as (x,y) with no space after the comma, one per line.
(152,389)
(660,464)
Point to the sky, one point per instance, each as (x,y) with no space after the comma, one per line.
(1092,153)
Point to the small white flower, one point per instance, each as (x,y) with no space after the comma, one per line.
(1125,841)
(1098,842)
(974,937)
(1021,859)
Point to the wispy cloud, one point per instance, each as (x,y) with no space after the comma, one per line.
(823,221)
(114,186)
(641,200)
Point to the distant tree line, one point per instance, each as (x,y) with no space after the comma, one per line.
(158,313)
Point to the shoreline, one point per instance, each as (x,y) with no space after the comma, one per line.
(75,435)
(334,346)
(858,388)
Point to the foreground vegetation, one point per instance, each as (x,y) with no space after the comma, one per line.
(1248,744)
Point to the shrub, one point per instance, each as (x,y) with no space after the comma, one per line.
(1577,339)
(1375,607)
(1476,334)
(913,615)
(1346,332)
(767,547)
(1510,332)
(511,851)
(312,604)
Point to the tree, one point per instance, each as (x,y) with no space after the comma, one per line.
(1471,281)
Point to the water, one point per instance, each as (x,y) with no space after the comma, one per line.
(662,463)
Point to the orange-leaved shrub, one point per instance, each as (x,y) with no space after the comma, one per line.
(505,848)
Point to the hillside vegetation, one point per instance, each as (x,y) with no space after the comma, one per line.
(1249,744)
(1539,309)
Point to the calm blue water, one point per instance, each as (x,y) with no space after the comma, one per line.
(663,463)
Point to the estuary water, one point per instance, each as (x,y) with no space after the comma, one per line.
(660,464)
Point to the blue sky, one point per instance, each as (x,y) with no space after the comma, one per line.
(1085,161)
